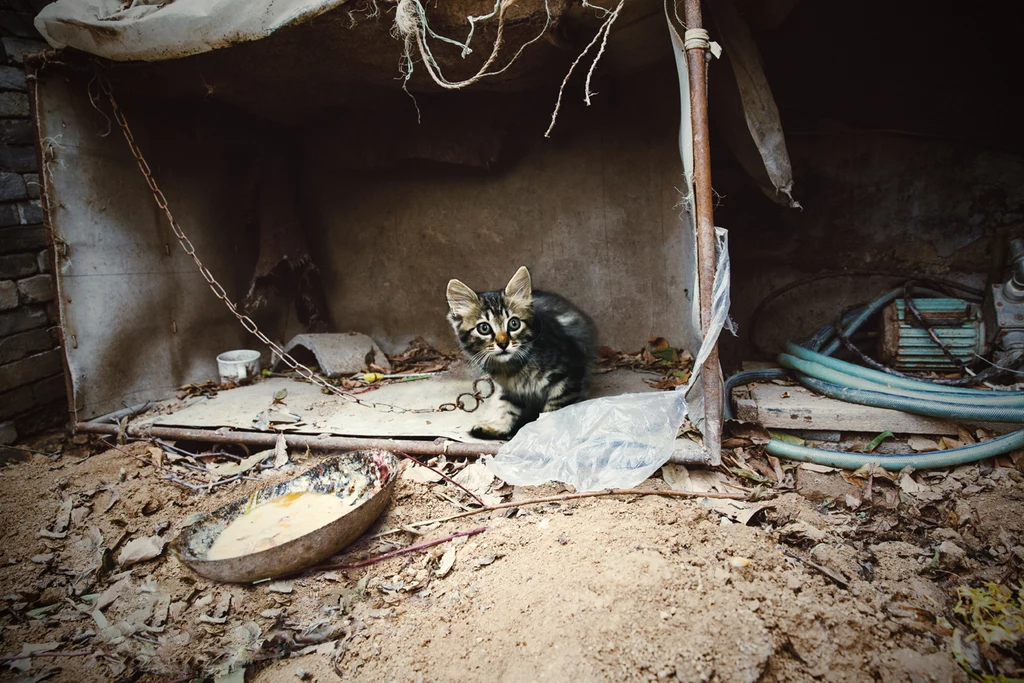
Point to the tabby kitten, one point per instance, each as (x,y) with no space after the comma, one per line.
(535,345)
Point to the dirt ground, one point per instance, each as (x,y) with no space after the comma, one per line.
(833,577)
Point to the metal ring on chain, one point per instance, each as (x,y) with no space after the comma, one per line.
(490,388)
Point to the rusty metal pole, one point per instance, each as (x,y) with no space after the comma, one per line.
(696,62)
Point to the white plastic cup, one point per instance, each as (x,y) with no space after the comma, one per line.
(238,366)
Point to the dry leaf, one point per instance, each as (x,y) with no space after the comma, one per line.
(750,431)
(946,443)
(921,444)
(800,528)
(141,550)
(446,563)
(676,476)
(476,477)
(157,454)
(281,450)
(111,594)
(814,467)
(219,613)
(63,516)
(230,469)
(421,474)
(907,483)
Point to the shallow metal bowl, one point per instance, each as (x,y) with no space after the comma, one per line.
(335,476)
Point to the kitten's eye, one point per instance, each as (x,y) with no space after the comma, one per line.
(514,324)
(483,328)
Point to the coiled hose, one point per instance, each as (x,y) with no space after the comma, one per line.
(820,372)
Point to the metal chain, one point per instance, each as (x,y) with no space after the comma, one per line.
(246,321)
(477,394)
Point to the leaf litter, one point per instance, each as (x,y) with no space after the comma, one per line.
(660,556)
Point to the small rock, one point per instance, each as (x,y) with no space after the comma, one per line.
(739,562)
(51,595)
(281,587)
(951,554)
(45,558)
(303,675)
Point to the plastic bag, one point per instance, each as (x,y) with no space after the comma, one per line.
(616,441)
(611,442)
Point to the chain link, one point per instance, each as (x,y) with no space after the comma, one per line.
(246,321)
(477,395)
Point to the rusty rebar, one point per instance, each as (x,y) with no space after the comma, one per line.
(696,61)
(314,442)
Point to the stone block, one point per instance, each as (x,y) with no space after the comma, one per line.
(13,104)
(30,212)
(8,295)
(24,344)
(31,369)
(20,159)
(36,420)
(23,318)
(23,238)
(16,48)
(12,187)
(16,132)
(9,216)
(12,78)
(37,289)
(32,184)
(8,433)
(43,261)
(17,401)
(16,266)
(49,389)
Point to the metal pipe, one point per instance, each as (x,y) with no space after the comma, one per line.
(711,379)
(268,440)
(447,447)
(124,412)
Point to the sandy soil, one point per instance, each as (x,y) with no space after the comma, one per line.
(837,578)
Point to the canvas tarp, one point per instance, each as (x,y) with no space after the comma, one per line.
(153,30)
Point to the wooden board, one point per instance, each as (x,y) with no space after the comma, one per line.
(781,407)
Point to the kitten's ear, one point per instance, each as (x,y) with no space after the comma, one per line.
(520,287)
(461,299)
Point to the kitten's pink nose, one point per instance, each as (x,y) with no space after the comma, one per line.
(503,345)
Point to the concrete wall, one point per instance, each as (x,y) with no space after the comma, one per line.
(593,212)
(32,389)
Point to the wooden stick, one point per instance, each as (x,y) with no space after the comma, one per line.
(401,551)
(570,496)
(440,474)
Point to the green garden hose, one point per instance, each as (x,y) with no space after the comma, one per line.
(846,381)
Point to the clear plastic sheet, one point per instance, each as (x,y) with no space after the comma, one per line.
(611,442)
(616,441)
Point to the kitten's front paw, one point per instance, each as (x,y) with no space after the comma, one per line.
(486,431)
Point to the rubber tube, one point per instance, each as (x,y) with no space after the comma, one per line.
(953,411)
(843,379)
(880,377)
(948,458)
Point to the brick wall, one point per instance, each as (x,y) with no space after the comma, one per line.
(32,389)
